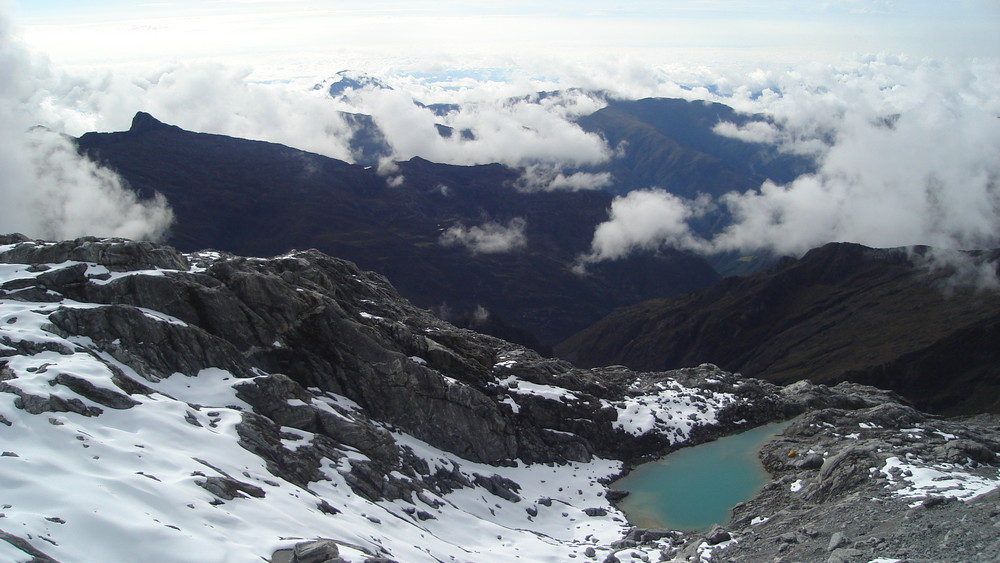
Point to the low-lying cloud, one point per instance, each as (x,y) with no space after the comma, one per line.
(645,220)
(488,238)
(540,178)
(906,154)
(906,150)
(48,190)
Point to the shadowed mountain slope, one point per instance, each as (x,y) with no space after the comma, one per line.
(261,199)
(899,320)
(670,143)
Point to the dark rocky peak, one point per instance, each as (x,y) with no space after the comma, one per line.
(340,83)
(117,254)
(144,122)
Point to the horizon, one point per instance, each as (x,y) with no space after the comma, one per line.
(288,39)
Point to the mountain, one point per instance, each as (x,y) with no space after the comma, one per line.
(658,142)
(909,320)
(671,143)
(261,199)
(206,406)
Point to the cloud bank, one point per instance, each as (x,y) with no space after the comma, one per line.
(48,190)
(906,149)
(907,154)
(488,238)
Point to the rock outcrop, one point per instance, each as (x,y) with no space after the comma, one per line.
(324,323)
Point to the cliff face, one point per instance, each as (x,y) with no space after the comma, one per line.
(910,320)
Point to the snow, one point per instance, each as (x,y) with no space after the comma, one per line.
(796,486)
(125,484)
(519,386)
(914,479)
(673,410)
(101,275)
(705,550)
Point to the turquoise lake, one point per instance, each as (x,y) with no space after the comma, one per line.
(693,488)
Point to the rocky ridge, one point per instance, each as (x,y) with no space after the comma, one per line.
(923,322)
(286,408)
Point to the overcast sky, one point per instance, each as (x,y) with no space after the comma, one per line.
(289,37)
(830,73)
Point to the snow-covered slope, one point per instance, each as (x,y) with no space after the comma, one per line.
(129,431)
(208,407)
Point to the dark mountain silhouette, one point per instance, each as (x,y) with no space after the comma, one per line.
(660,142)
(843,312)
(263,199)
(670,143)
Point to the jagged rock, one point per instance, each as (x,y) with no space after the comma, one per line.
(99,395)
(126,332)
(288,404)
(113,253)
(228,488)
(718,535)
(962,451)
(499,486)
(36,404)
(841,472)
(837,540)
(37,556)
(616,495)
(315,551)
(647,535)
(846,555)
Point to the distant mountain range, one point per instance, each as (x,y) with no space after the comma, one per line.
(843,312)
(263,199)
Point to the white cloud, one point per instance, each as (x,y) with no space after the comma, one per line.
(906,148)
(906,152)
(48,190)
(488,238)
(537,177)
(914,163)
(953,270)
(516,132)
(204,97)
(753,132)
(645,220)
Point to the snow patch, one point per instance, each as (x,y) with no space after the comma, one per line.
(917,480)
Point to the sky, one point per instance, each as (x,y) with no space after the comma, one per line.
(829,73)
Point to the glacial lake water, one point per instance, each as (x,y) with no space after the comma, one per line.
(693,488)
